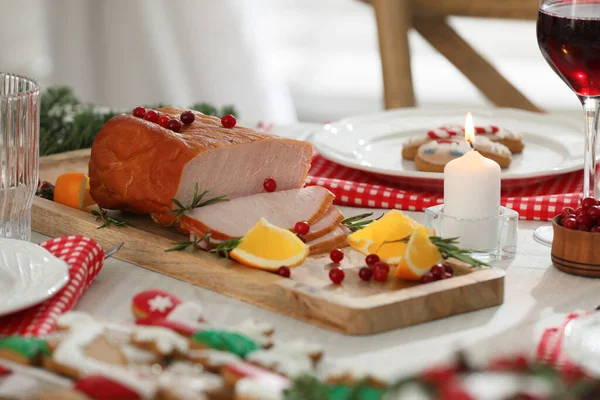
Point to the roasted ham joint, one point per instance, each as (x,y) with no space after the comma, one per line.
(205,178)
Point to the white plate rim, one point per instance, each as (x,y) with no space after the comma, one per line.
(322,148)
(59,276)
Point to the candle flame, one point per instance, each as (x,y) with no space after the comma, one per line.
(469,129)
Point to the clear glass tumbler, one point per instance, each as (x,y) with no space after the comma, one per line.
(19,153)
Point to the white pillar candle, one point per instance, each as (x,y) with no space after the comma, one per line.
(472,190)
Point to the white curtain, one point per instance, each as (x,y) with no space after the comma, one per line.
(121,53)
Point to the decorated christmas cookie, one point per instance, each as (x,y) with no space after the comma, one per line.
(161,341)
(229,341)
(233,373)
(286,364)
(99,387)
(155,303)
(434,155)
(181,328)
(26,351)
(212,360)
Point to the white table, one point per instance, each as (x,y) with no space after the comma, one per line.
(536,296)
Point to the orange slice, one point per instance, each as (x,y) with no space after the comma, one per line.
(73,190)
(376,237)
(266,246)
(419,257)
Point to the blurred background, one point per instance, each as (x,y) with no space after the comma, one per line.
(275,60)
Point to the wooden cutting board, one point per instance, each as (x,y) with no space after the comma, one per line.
(354,307)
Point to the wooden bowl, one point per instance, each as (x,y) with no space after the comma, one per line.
(576,252)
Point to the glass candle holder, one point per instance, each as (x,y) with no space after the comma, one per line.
(490,239)
(19,153)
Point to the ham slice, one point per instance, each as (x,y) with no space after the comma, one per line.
(139,166)
(326,224)
(234,218)
(326,243)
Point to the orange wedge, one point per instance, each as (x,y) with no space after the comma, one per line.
(419,257)
(268,247)
(73,190)
(376,237)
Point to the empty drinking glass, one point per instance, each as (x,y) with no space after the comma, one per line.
(19,153)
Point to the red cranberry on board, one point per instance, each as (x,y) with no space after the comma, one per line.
(270,185)
(365,273)
(446,275)
(228,121)
(163,120)
(175,125)
(382,265)
(593,213)
(437,271)
(570,223)
(139,112)
(336,275)
(588,202)
(336,255)
(380,273)
(371,259)
(284,271)
(567,212)
(584,220)
(448,268)
(187,117)
(301,227)
(151,116)
(428,278)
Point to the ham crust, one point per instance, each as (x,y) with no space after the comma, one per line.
(333,240)
(139,166)
(332,218)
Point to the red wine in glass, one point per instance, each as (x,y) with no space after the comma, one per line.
(569,38)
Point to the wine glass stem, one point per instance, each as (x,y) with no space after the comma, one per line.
(590,109)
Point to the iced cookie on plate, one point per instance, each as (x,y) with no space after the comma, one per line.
(434,155)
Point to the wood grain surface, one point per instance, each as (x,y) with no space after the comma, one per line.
(354,307)
(576,252)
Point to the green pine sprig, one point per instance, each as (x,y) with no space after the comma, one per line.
(107,221)
(223,248)
(197,202)
(358,222)
(448,247)
(191,244)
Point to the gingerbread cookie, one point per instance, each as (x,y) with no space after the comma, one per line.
(224,340)
(212,360)
(411,147)
(512,140)
(434,155)
(25,351)
(161,341)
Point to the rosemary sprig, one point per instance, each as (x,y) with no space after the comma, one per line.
(191,243)
(197,201)
(108,221)
(358,221)
(223,248)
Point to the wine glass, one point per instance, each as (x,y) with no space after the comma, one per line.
(568,34)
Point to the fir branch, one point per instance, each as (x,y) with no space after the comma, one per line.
(307,387)
(191,243)
(358,222)
(108,221)
(197,202)
(223,248)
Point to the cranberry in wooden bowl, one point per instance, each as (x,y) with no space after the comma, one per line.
(576,244)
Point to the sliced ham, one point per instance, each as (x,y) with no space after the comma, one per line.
(326,243)
(326,224)
(139,166)
(234,218)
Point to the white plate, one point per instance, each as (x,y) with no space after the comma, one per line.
(553,145)
(28,275)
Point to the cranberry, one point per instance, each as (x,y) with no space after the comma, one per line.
(380,273)
(336,255)
(570,223)
(382,265)
(448,268)
(588,202)
(151,116)
(174,125)
(584,220)
(284,271)
(593,212)
(336,275)
(139,112)
(46,186)
(428,278)
(371,259)
(579,211)
(302,237)
(446,275)
(365,273)
(270,185)
(228,121)
(567,212)
(595,229)
(187,117)
(583,228)
(437,271)
(301,227)
(163,120)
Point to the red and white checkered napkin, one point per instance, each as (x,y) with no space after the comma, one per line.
(85,258)
(537,201)
(550,348)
